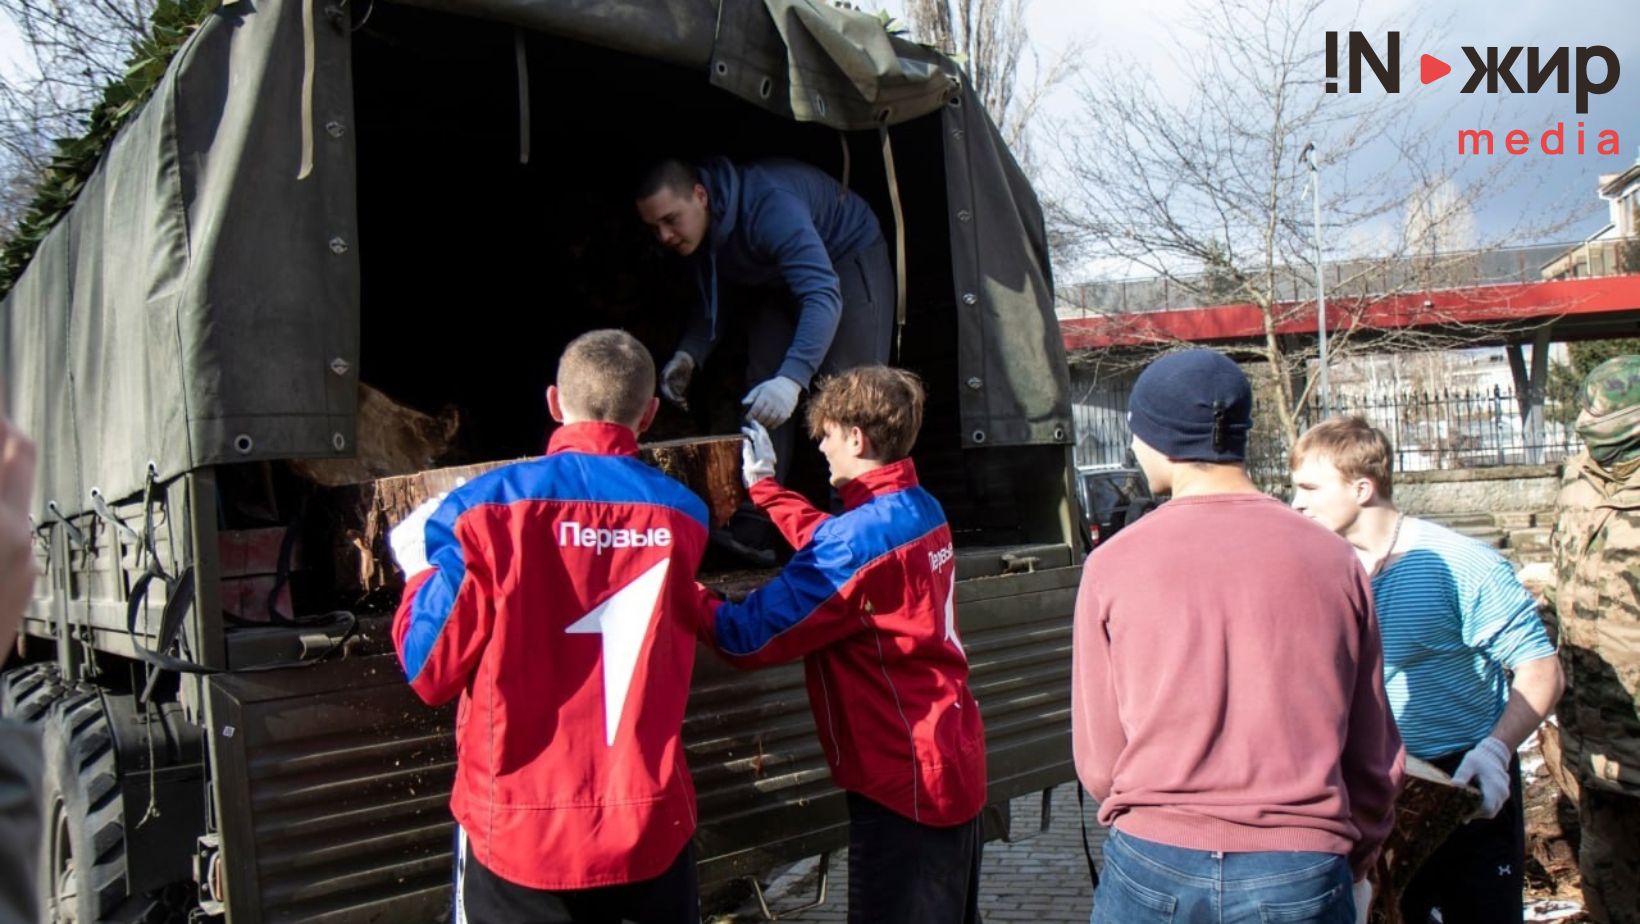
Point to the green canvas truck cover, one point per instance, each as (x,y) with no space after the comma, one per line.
(199,304)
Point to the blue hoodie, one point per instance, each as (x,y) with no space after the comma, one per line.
(779,221)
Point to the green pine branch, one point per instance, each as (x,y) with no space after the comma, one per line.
(172,23)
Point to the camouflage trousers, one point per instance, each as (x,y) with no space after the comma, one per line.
(1609,859)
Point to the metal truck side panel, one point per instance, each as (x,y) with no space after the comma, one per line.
(765,792)
(332,785)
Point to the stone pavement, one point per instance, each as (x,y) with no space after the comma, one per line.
(1042,880)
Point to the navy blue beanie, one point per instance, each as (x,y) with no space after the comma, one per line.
(1193,406)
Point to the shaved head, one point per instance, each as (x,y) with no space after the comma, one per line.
(607,375)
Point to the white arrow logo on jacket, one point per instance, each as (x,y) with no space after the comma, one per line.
(623,620)
(951,616)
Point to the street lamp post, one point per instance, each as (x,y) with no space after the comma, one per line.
(1308,156)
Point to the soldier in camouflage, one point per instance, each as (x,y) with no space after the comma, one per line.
(1597,598)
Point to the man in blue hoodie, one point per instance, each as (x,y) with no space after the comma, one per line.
(774,223)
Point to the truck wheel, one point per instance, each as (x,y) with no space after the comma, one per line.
(27,692)
(82,871)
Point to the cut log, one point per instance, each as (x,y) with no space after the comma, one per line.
(367,512)
(709,466)
(1428,810)
(364,513)
(391,439)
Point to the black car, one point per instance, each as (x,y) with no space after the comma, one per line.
(1111,499)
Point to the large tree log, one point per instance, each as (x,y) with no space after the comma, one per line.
(391,439)
(710,467)
(1427,811)
(362,515)
(365,513)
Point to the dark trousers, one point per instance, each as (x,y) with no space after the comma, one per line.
(903,872)
(1478,875)
(864,333)
(482,897)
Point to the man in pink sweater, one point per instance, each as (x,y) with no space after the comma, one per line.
(1228,706)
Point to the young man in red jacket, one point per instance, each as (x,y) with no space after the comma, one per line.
(869,603)
(557,598)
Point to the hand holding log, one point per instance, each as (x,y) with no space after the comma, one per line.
(1429,808)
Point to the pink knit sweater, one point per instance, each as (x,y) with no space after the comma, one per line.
(1227,684)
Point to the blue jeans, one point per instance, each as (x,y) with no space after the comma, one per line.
(1143,882)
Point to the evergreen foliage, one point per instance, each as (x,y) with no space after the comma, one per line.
(76,158)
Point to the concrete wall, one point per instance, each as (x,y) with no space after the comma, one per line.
(1478,490)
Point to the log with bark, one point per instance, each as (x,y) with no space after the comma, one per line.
(390,439)
(360,516)
(1429,808)
(710,466)
(365,512)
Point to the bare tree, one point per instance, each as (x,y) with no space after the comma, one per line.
(72,51)
(990,39)
(1205,187)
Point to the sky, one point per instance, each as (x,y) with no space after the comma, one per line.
(11,46)
(1157,35)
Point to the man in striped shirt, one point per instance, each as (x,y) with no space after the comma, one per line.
(1468,666)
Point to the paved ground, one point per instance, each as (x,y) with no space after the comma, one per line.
(1042,880)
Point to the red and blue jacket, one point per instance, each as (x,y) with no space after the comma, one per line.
(869,602)
(561,606)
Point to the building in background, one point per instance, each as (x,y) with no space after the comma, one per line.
(1614,248)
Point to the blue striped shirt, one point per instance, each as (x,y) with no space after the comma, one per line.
(1454,619)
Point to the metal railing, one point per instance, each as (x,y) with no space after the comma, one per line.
(1102,435)
(1446,429)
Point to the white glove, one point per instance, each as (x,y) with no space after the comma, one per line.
(409,538)
(756,454)
(1363,900)
(772,402)
(675,378)
(1487,764)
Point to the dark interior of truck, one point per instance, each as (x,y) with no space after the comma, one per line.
(489,240)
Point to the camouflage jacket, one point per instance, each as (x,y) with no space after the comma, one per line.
(1596,546)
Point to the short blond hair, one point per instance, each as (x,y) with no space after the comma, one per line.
(884,402)
(607,375)
(1354,447)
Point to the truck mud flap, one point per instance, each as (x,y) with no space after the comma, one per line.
(764,791)
(332,788)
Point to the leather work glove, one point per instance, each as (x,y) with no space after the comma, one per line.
(1487,764)
(756,454)
(675,378)
(409,539)
(772,402)
(1363,900)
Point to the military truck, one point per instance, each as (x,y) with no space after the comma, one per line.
(428,199)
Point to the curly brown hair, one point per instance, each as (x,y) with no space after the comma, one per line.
(884,402)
